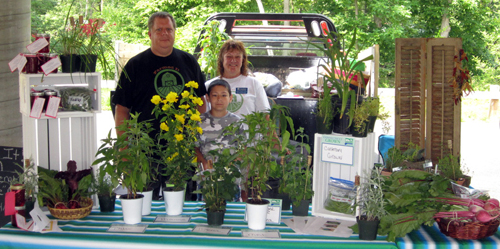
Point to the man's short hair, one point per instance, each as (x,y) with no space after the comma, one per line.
(161,14)
(219,82)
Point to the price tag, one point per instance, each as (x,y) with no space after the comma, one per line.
(36,109)
(22,63)
(126,228)
(37,45)
(51,65)
(275,234)
(173,219)
(212,230)
(13,64)
(52,107)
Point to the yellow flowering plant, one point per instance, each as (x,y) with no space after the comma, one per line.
(179,128)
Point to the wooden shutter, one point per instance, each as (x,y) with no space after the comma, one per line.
(443,116)
(410,91)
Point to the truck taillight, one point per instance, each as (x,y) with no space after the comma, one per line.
(324,28)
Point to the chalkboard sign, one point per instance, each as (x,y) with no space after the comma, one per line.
(10,158)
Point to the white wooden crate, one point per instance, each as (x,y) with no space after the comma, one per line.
(357,159)
(52,142)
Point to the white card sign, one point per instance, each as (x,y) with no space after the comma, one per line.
(52,107)
(37,45)
(173,219)
(274,211)
(260,233)
(212,230)
(14,63)
(337,150)
(126,228)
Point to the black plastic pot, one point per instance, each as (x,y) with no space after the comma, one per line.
(371,123)
(356,133)
(341,125)
(88,62)
(107,203)
(321,127)
(285,201)
(215,218)
(272,193)
(70,63)
(367,229)
(302,209)
(29,205)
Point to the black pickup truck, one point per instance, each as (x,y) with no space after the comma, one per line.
(278,44)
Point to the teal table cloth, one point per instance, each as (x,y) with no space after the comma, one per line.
(91,232)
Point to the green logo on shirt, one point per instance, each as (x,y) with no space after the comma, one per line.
(167,81)
(236,104)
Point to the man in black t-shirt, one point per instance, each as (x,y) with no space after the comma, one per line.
(156,71)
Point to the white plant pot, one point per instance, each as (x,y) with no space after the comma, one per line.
(174,202)
(256,216)
(132,210)
(146,202)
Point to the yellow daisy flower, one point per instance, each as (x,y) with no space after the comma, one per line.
(179,137)
(164,126)
(172,97)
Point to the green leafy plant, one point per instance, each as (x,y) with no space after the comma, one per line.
(449,167)
(257,145)
(413,153)
(218,185)
(336,57)
(58,192)
(210,42)
(297,171)
(27,176)
(128,158)
(102,183)
(413,197)
(394,159)
(179,127)
(372,202)
(360,116)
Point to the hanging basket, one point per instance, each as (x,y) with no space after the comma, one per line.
(73,214)
(467,230)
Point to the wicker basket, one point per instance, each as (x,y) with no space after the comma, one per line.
(467,230)
(73,214)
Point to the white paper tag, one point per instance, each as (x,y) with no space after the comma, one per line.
(22,63)
(37,45)
(260,233)
(39,218)
(36,109)
(173,219)
(52,107)
(51,65)
(13,64)
(274,211)
(125,228)
(212,230)
(76,100)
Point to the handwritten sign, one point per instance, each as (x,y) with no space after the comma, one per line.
(9,156)
(173,219)
(337,150)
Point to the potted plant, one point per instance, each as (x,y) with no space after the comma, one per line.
(371,204)
(105,189)
(394,159)
(413,156)
(450,167)
(218,185)
(180,124)
(298,176)
(25,184)
(339,70)
(127,159)
(255,150)
(210,42)
(376,111)
(66,193)
(360,119)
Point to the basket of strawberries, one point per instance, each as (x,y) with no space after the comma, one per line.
(66,193)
